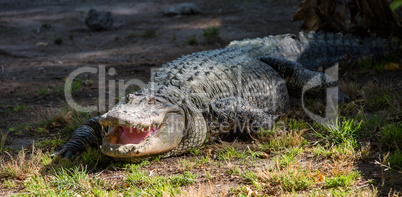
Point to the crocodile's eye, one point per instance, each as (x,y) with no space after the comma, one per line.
(151,100)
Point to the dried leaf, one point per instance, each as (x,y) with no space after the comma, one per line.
(319,177)
(261,154)
(126,185)
(250,191)
(69,117)
(393,66)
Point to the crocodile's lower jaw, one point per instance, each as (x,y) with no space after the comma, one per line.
(145,148)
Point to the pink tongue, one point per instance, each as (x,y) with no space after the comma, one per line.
(134,137)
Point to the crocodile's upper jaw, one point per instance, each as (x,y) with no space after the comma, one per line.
(141,126)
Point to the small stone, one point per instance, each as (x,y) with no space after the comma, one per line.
(182,9)
(99,20)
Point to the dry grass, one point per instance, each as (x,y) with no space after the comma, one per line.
(204,190)
(351,89)
(22,166)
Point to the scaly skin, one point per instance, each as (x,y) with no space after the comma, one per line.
(240,88)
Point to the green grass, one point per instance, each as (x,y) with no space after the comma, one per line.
(19,107)
(192,40)
(340,132)
(47,25)
(66,183)
(41,130)
(234,171)
(344,150)
(185,165)
(76,86)
(395,160)
(59,89)
(380,97)
(20,129)
(251,177)
(145,185)
(10,184)
(368,64)
(94,157)
(42,90)
(149,33)
(25,126)
(49,143)
(391,136)
(58,40)
(6,29)
(205,160)
(211,34)
(3,123)
(290,179)
(289,157)
(231,153)
(280,140)
(342,180)
(195,151)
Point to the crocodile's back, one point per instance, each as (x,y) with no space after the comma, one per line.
(235,71)
(212,75)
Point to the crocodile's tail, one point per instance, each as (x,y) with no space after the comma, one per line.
(319,51)
(322,50)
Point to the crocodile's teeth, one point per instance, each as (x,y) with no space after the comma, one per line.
(149,128)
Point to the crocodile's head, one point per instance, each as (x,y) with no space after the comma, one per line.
(141,127)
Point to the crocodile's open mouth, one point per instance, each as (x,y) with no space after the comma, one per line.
(130,135)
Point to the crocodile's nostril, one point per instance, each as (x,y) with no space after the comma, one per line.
(151,100)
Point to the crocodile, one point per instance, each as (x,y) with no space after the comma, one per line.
(241,88)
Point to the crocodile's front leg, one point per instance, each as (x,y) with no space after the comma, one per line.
(237,114)
(85,136)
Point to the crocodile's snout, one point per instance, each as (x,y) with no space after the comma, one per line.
(140,126)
